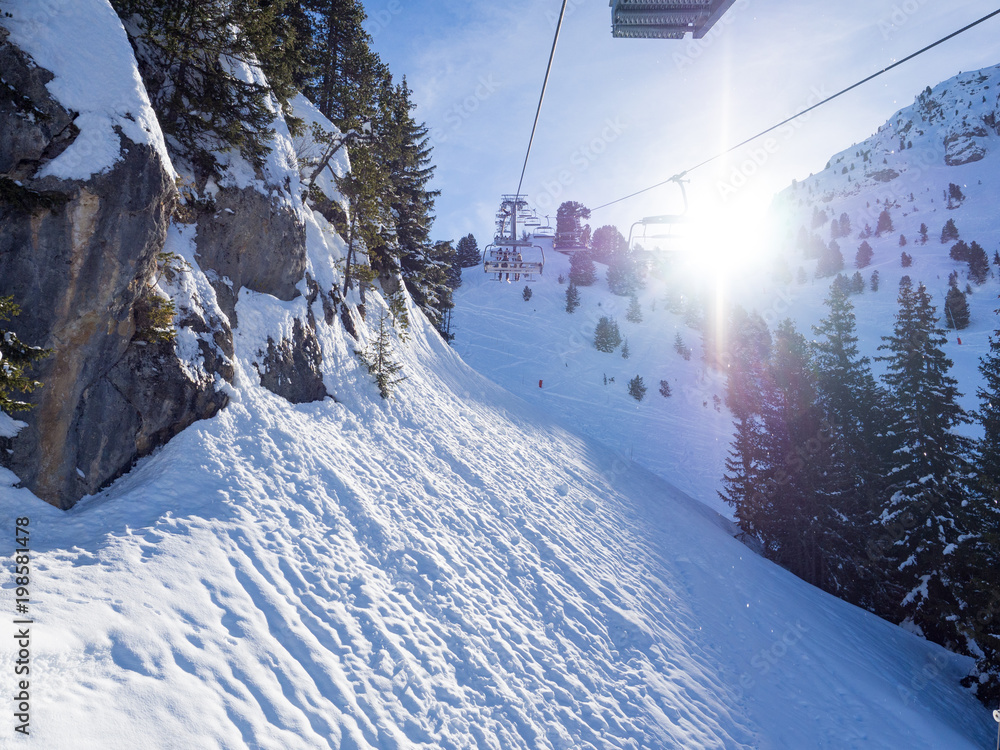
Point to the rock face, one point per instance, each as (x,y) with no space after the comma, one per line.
(77,256)
(250,240)
(291,368)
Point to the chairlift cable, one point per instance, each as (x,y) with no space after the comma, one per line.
(541,97)
(719,155)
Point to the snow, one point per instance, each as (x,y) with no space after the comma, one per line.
(84,45)
(451,568)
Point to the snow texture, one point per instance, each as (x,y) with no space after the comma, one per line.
(84,45)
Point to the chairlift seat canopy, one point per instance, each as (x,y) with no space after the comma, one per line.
(643,19)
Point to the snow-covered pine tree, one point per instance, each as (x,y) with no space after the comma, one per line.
(925,507)
(625,350)
(981,618)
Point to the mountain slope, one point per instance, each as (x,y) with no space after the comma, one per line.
(447,569)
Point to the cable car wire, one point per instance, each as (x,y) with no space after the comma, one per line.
(719,155)
(541,97)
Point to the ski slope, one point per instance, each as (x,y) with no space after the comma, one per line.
(449,569)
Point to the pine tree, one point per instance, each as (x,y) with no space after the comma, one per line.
(572,297)
(634,314)
(864,256)
(982,579)
(680,347)
(851,405)
(902,240)
(949,232)
(845,225)
(857,283)
(569,232)
(636,388)
(831,261)
(873,284)
(956,308)
(959,252)
(607,243)
(664,389)
(979,263)
(625,350)
(16,358)
(345,74)
(607,337)
(189,53)
(378,359)
(526,294)
(468,252)
(929,475)
(923,234)
(884,223)
(905,259)
(624,276)
(581,269)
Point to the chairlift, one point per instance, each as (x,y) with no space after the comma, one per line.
(648,19)
(669,221)
(508,255)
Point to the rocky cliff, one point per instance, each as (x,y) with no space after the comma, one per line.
(94,235)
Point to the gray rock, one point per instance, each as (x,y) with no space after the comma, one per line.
(76,256)
(291,368)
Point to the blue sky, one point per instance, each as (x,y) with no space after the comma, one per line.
(620,115)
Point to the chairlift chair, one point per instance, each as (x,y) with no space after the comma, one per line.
(647,19)
(670,221)
(505,256)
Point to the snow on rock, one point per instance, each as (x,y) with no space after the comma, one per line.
(83,44)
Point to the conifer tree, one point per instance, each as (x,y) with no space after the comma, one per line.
(852,406)
(569,232)
(526,293)
(905,259)
(636,388)
(831,260)
(928,478)
(979,263)
(863,257)
(923,233)
(623,276)
(634,314)
(607,337)
(468,252)
(581,269)
(884,223)
(572,297)
(16,358)
(189,54)
(664,389)
(873,284)
(625,350)
(956,308)
(607,243)
(949,232)
(378,359)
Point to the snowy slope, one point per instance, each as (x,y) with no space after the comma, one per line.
(447,569)
(684,438)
